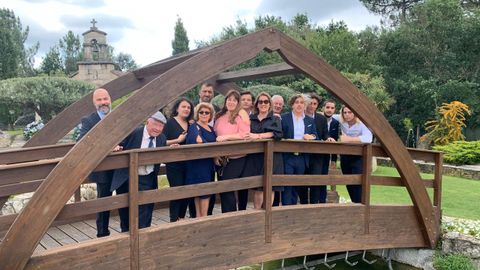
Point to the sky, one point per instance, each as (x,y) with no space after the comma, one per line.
(145,29)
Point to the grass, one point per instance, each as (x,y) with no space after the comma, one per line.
(14,132)
(459,195)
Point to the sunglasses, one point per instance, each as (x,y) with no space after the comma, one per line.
(204,112)
(266,101)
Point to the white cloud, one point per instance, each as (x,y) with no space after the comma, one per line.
(144,28)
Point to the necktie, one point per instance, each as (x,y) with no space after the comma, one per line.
(150,144)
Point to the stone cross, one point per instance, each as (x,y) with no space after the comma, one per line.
(93,23)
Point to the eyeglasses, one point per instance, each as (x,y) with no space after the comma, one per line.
(204,112)
(265,101)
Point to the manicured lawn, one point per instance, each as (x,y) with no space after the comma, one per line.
(460,196)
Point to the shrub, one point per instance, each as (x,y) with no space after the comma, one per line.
(452,262)
(461,152)
(46,96)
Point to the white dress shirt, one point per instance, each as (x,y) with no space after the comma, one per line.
(146,169)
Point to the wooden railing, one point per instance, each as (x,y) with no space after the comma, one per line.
(27,168)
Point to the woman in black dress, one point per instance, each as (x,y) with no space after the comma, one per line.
(263,125)
(176,132)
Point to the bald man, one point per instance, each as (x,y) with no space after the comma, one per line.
(103,179)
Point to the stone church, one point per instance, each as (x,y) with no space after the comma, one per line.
(96,66)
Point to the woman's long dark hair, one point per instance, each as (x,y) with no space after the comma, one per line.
(224,109)
(177,104)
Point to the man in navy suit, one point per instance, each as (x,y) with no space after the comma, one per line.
(103,179)
(296,125)
(148,136)
(333,131)
(318,194)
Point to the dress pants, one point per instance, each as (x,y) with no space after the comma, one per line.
(318,194)
(353,165)
(176,175)
(233,169)
(145,182)
(276,198)
(103,190)
(293,164)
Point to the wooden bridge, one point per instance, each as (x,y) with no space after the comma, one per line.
(55,173)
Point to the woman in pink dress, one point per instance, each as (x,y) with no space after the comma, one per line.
(231,123)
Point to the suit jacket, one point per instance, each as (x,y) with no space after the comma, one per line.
(322,127)
(287,127)
(334,133)
(88,122)
(134,141)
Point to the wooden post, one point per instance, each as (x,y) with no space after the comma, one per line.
(133,211)
(437,182)
(267,189)
(366,177)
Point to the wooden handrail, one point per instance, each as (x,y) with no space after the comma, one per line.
(27,176)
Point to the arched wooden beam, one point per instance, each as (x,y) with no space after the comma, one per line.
(332,80)
(65,121)
(68,118)
(27,230)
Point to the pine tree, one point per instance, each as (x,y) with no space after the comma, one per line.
(180,41)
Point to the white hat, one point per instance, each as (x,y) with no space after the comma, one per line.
(159,117)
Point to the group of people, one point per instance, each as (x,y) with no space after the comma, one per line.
(242,117)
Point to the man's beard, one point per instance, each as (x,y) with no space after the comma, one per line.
(104,108)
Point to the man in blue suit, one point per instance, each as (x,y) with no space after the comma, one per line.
(333,131)
(148,136)
(318,194)
(296,125)
(103,179)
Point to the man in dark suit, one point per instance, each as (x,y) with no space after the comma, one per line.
(333,131)
(148,136)
(296,125)
(103,179)
(318,194)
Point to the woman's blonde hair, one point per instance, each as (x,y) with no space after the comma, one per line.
(342,120)
(204,105)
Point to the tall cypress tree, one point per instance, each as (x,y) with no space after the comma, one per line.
(180,41)
(15,59)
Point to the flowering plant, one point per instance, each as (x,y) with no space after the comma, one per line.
(32,128)
(76,132)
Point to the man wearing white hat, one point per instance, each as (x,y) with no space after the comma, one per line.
(148,136)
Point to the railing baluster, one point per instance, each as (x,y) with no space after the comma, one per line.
(437,181)
(366,177)
(78,194)
(267,189)
(133,211)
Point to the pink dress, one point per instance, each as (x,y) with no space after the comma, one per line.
(223,127)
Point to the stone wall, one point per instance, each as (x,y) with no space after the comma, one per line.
(454,242)
(468,172)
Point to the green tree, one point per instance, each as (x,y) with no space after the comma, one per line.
(125,62)
(52,62)
(180,41)
(70,49)
(433,57)
(45,95)
(393,10)
(15,59)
